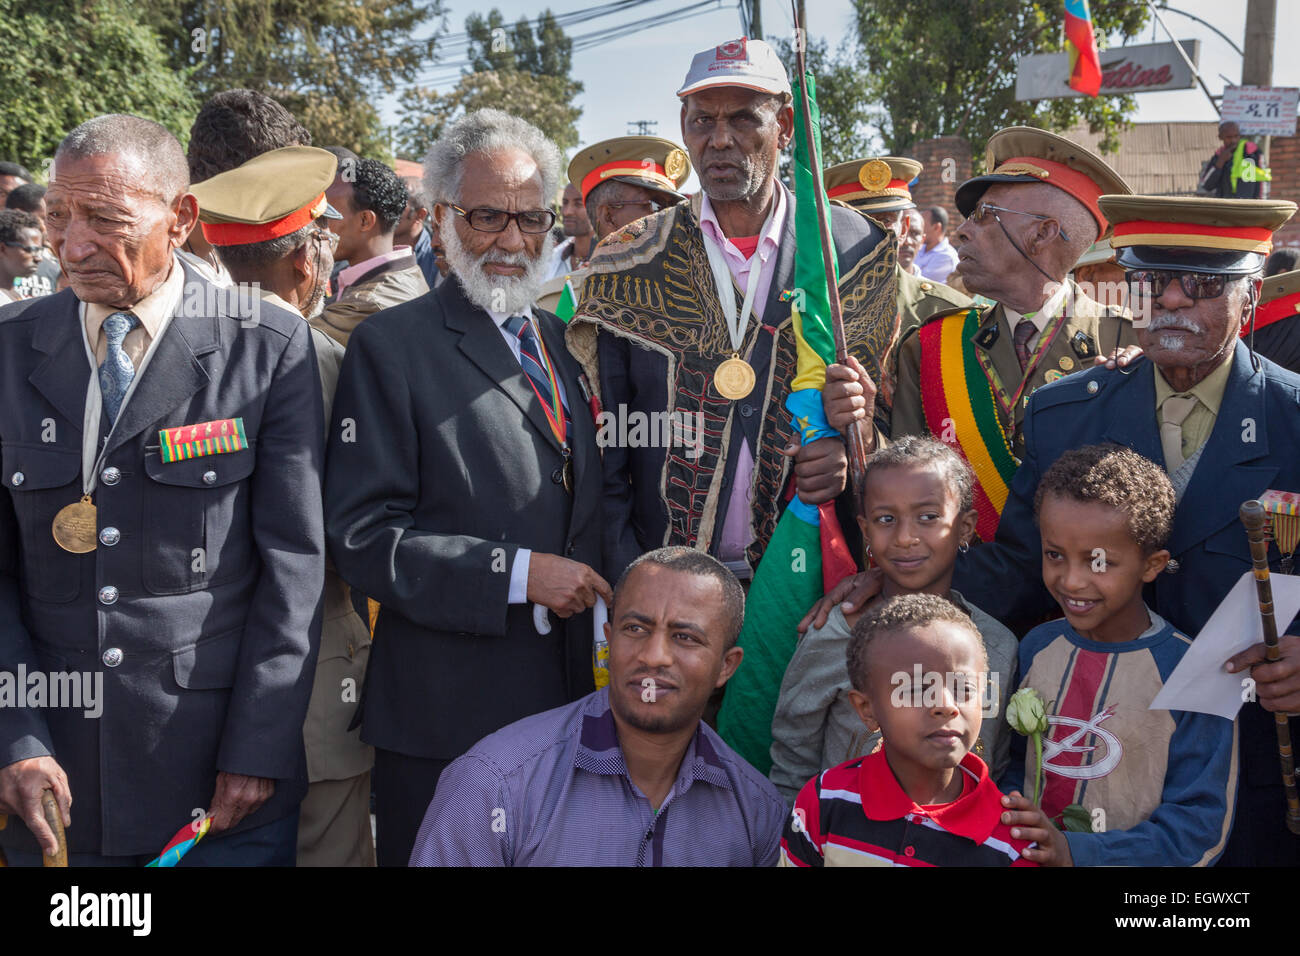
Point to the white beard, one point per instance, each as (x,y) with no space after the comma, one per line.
(497,293)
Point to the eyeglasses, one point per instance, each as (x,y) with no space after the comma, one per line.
(1195,285)
(985,208)
(654,206)
(30,250)
(487,219)
(331,237)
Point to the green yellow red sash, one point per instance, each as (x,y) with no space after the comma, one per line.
(959,408)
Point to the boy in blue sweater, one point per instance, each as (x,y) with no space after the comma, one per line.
(1158,785)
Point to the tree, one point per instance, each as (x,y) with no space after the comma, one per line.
(521,69)
(842,98)
(326,62)
(65,61)
(948,67)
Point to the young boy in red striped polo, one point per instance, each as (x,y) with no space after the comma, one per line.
(923,799)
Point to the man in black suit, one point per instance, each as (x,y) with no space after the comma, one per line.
(160,529)
(463,488)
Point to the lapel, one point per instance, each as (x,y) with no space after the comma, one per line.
(174,373)
(58,336)
(1225,477)
(482,344)
(1128,425)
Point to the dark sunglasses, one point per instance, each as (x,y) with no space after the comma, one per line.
(487,219)
(1196,285)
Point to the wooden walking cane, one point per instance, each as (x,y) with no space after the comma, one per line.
(1253,517)
(54,819)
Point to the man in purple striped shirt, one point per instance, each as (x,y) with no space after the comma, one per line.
(629,775)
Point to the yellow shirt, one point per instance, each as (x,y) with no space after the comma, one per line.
(152,311)
(1209,395)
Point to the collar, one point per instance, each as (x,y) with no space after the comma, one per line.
(500,318)
(354,272)
(769,237)
(271,297)
(598,750)
(974,815)
(1208,390)
(1044,315)
(152,311)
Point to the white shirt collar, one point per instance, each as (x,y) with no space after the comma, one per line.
(1044,315)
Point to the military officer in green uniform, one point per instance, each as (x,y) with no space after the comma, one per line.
(965,376)
(880,187)
(621,180)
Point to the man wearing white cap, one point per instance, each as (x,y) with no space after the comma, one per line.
(687,312)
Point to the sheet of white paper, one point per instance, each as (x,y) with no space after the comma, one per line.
(1199,682)
(599,615)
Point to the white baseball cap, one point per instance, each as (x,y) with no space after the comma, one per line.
(747,63)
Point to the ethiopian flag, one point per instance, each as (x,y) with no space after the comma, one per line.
(807,554)
(1085,61)
(568,303)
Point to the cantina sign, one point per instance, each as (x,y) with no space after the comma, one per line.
(1144,68)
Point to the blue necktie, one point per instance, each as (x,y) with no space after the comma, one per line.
(116,372)
(530,357)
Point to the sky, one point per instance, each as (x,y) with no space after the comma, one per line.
(635,77)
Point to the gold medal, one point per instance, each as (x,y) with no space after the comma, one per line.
(734,378)
(74,527)
(1066,363)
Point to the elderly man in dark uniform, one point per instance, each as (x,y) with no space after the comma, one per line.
(463,485)
(1224,423)
(160,528)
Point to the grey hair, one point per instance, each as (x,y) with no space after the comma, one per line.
(485,131)
(611,190)
(258,255)
(162,165)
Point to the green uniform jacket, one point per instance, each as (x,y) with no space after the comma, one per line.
(918,299)
(1090,329)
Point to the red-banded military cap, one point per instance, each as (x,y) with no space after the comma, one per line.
(650,162)
(879,184)
(271,195)
(1023,154)
(1194,233)
(1278,299)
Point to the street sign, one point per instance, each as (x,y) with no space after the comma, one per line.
(1261,110)
(1142,68)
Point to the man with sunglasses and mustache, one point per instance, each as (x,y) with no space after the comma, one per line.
(462,487)
(1224,423)
(966,375)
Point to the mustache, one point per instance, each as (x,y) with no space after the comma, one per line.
(1172,320)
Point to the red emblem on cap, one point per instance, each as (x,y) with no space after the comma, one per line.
(734,50)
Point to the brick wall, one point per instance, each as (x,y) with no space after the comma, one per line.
(1284,159)
(947,165)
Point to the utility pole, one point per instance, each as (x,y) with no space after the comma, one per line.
(1261,27)
(756,19)
(642,127)
(1257,63)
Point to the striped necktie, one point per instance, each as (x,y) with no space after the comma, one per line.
(534,364)
(116,371)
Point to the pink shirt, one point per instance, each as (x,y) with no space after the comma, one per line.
(737,525)
(354,272)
